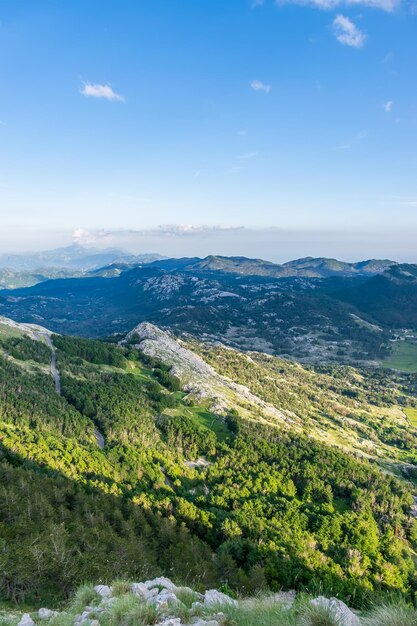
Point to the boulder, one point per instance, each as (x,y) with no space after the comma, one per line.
(26,620)
(46,613)
(340,610)
(171,621)
(164,600)
(163,582)
(212,597)
(103,590)
(140,589)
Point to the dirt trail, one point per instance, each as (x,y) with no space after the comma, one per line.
(100,439)
(39,335)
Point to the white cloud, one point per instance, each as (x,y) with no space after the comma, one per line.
(94,90)
(384,5)
(257,85)
(387,106)
(84,237)
(257,3)
(248,155)
(347,33)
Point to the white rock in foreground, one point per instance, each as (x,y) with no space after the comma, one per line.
(212,597)
(163,582)
(26,620)
(46,613)
(339,610)
(140,589)
(103,590)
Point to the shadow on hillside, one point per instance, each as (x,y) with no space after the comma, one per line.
(56,533)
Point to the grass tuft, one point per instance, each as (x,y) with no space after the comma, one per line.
(258,614)
(120,587)
(186,596)
(318,615)
(130,610)
(84,596)
(390,615)
(62,619)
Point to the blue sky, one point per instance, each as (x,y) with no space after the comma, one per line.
(218,118)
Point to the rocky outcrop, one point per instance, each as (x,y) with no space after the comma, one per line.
(198,377)
(167,601)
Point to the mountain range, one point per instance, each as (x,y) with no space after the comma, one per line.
(319,311)
(74,257)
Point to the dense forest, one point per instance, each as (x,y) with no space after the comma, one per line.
(267,508)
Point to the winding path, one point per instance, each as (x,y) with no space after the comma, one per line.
(100,438)
(38,333)
(54,370)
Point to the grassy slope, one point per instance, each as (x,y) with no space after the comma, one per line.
(412,415)
(403,357)
(359,410)
(6,332)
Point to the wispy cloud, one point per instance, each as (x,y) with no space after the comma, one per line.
(384,5)
(347,33)
(248,155)
(387,106)
(406,201)
(387,58)
(109,237)
(258,85)
(352,142)
(95,90)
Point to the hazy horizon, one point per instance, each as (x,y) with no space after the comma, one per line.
(271,244)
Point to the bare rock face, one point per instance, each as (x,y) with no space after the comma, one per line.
(197,376)
(162,345)
(340,610)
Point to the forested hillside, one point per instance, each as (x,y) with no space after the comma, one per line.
(126,475)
